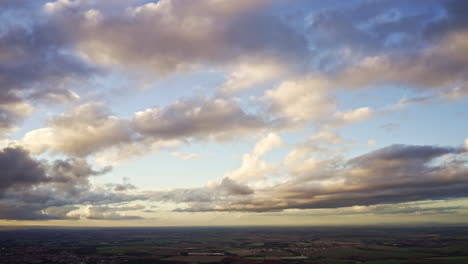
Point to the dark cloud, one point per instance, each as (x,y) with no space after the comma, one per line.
(454,20)
(402,153)
(19,169)
(32,189)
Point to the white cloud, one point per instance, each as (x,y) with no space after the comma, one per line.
(252,72)
(253,167)
(352,116)
(302,99)
(80,131)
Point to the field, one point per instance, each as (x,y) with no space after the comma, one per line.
(377,245)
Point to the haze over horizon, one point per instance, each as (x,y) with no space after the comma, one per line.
(220,112)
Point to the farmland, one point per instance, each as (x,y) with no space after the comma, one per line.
(376,245)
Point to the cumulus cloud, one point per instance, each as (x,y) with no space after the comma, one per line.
(214,119)
(253,167)
(441,66)
(301,99)
(19,169)
(251,73)
(173,36)
(83,130)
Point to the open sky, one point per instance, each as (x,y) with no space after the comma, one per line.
(223,112)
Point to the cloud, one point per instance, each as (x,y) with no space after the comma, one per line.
(61,212)
(225,191)
(81,131)
(371,27)
(36,63)
(19,169)
(453,21)
(441,66)
(407,208)
(352,116)
(253,167)
(251,73)
(112,213)
(394,174)
(32,189)
(173,36)
(182,156)
(122,187)
(199,118)
(138,148)
(326,136)
(301,99)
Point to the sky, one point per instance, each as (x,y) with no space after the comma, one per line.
(220,112)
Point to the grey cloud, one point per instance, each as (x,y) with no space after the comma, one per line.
(441,66)
(171,36)
(122,187)
(454,20)
(361,56)
(35,60)
(234,188)
(23,212)
(197,118)
(395,174)
(368,28)
(19,169)
(411,208)
(403,153)
(89,128)
(32,189)
(417,210)
(225,190)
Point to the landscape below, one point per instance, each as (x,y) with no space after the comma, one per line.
(333,245)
